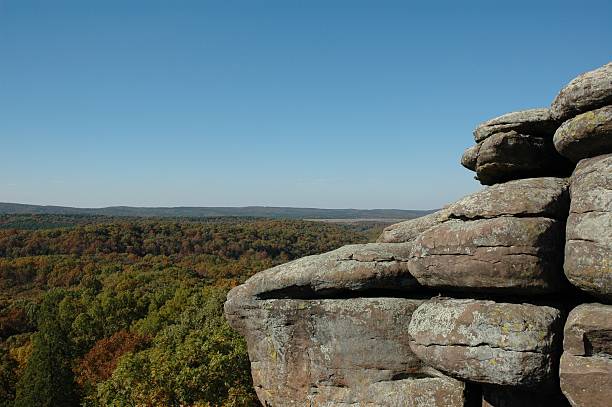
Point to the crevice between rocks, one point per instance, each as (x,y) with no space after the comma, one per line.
(564,300)
(487,345)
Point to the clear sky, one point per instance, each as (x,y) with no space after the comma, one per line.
(318,103)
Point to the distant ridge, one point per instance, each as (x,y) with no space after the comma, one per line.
(205,212)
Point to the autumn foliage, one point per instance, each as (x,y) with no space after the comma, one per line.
(99,363)
(128,312)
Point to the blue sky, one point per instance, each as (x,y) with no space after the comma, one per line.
(363,104)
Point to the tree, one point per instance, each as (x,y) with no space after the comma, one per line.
(48,380)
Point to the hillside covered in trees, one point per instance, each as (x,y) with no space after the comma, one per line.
(100,311)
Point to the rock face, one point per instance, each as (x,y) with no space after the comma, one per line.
(335,352)
(588,251)
(469,159)
(532,121)
(586,135)
(487,342)
(503,239)
(374,325)
(589,91)
(408,230)
(586,364)
(350,268)
(543,197)
(511,155)
(515,145)
(505,255)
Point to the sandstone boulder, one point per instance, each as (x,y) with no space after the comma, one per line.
(423,392)
(511,155)
(589,91)
(588,250)
(586,364)
(500,255)
(488,342)
(546,197)
(350,268)
(469,159)
(336,353)
(408,230)
(537,122)
(586,135)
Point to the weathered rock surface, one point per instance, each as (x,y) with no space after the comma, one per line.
(469,159)
(588,331)
(537,122)
(499,255)
(546,197)
(408,230)
(488,342)
(350,268)
(422,392)
(589,91)
(588,250)
(586,381)
(586,364)
(586,135)
(505,238)
(511,155)
(334,352)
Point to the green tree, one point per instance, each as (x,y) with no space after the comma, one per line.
(48,379)
(8,366)
(195,360)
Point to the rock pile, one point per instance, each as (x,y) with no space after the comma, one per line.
(501,299)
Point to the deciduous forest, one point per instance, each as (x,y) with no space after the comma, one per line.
(98,311)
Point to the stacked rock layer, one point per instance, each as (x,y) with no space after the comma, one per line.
(501,299)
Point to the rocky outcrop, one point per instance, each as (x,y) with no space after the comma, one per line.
(336,352)
(586,135)
(376,324)
(408,230)
(589,91)
(350,268)
(512,155)
(531,197)
(537,122)
(588,251)
(487,342)
(504,239)
(586,364)
(515,145)
(505,255)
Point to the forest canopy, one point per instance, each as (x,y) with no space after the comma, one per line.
(99,311)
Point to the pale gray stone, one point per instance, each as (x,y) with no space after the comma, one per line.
(586,135)
(588,250)
(588,91)
(547,197)
(500,255)
(511,155)
(536,122)
(488,342)
(408,230)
